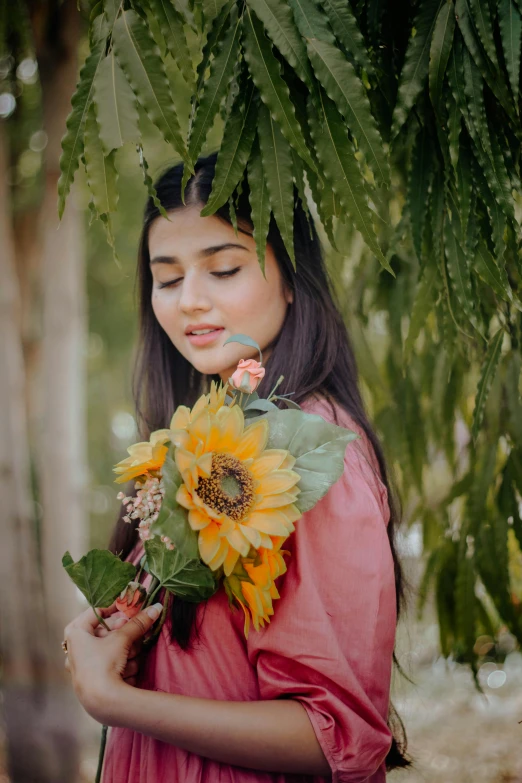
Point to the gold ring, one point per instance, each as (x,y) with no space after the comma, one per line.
(64,646)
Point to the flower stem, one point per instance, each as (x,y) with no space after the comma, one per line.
(101,754)
(100,619)
(153,589)
(279,380)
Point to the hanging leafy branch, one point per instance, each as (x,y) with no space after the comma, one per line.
(400,122)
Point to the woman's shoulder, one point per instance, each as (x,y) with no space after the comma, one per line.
(360,453)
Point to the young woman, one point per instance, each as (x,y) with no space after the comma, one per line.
(306,697)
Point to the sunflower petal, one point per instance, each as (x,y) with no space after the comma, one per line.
(209,542)
(252,535)
(270,460)
(184,460)
(291,512)
(271,521)
(230,561)
(277,481)
(253,440)
(184,497)
(219,558)
(198,519)
(237,540)
(200,427)
(159,436)
(231,422)
(275,501)
(181,418)
(266,541)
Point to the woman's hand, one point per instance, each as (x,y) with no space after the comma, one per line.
(101,663)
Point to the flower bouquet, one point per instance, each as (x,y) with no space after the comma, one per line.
(217,494)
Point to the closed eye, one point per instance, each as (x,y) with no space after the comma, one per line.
(228,273)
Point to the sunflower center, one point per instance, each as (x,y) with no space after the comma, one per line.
(230,487)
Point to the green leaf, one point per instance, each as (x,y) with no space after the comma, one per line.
(344,24)
(492,162)
(421,175)
(465,601)
(489,71)
(171,23)
(510,24)
(454,127)
(459,274)
(212,9)
(149,184)
(214,88)
(238,137)
(484,27)
(343,86)
(416,62)
(101,169)
(244,339)
(141,62)
(336,155)
(279,23)
(276,156)
(72,142)
(172,519)
(425,296)
(492,273)
(440,51)
(319,449)
(259,203)
(311,21)
(487,374)
(115,102)
(188,579)
(99,575)
(216,32)
(266,73)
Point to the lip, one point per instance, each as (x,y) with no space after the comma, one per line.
(203,339)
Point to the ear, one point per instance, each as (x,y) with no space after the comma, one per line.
(289,294)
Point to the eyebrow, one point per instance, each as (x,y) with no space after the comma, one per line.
(206,253)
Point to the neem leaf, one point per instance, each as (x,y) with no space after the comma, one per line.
(187,578)
(141,62)
(99,575)
(72,142)
(319,449)
(487,374)
(172,519)
(259,202)
(244,339)
(116,109)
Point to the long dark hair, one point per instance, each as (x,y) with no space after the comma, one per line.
(313,334)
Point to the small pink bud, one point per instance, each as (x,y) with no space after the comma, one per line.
(131,598)
(248,375)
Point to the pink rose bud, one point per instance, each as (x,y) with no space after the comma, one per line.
(248,375)
(131,599)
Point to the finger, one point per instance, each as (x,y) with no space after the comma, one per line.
(67,665)
(89,619)
(142,622)
(131,670)
(131,681)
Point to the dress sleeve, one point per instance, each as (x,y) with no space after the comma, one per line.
(330,641)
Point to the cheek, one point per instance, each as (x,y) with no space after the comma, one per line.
(164,310)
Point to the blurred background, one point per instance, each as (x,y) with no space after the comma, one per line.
(68,324)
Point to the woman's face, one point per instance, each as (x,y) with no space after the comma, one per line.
(207,279)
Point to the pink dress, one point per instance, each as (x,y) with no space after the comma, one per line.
(329,643)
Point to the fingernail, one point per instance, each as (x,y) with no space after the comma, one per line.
(154,611)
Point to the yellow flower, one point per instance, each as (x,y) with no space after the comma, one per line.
(254,589)
(183,416)
(238,493)
(145,458)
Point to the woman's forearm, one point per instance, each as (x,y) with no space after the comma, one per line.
(274,736)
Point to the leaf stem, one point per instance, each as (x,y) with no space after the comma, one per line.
(100,619)
(101,754)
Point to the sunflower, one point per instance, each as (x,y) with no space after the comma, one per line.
(145,458)
(238,493)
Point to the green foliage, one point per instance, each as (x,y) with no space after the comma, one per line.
(319,466)
(187,578)
(407,135)
(100,575)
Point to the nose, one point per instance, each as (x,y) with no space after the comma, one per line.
(193,297)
